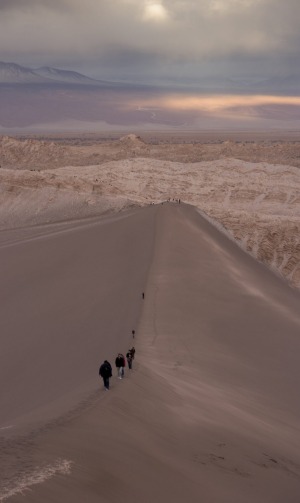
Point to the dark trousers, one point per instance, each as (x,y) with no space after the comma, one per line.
(106,382)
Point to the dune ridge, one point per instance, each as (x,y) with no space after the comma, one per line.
(211,407)
(210,410)
(258,203)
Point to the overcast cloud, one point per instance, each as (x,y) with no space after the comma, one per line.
(154,38)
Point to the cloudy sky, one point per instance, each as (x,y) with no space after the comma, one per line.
(144,40)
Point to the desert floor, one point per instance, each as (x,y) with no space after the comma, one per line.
(210,411)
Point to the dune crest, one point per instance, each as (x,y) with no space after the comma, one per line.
(209,411)
(258,203)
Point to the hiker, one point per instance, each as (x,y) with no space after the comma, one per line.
(129,359)
(133,333)
(120,364)
(143,295)
(105,371)
(132,351)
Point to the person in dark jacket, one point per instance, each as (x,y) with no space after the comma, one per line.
(120,364)
(105,371)
(129,359)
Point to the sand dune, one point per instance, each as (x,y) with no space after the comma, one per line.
(258,203)
(54,282)
(209,412)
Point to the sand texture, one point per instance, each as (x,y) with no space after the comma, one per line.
(210,410)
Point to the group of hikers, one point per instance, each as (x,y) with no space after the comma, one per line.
(105,370)
(174,200)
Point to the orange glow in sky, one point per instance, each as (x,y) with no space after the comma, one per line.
(217,103)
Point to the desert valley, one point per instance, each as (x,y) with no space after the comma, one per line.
(248,184)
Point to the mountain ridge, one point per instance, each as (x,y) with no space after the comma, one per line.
(12,73)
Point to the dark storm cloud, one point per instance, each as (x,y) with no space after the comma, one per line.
(157,34)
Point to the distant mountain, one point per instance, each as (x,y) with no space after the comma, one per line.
(15,74)
(64,76)
(11,73)
(54,98)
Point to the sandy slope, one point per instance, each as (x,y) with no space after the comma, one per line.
(259,203)
(64,288)
(210,411)
(251,186)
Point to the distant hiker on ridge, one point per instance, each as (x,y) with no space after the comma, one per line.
(129,359)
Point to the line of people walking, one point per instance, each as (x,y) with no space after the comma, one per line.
(105,370)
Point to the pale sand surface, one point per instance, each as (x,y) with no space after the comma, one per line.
(210,411)
(67,291)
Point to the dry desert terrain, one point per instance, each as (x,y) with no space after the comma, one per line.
(250,185)
(210,411)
